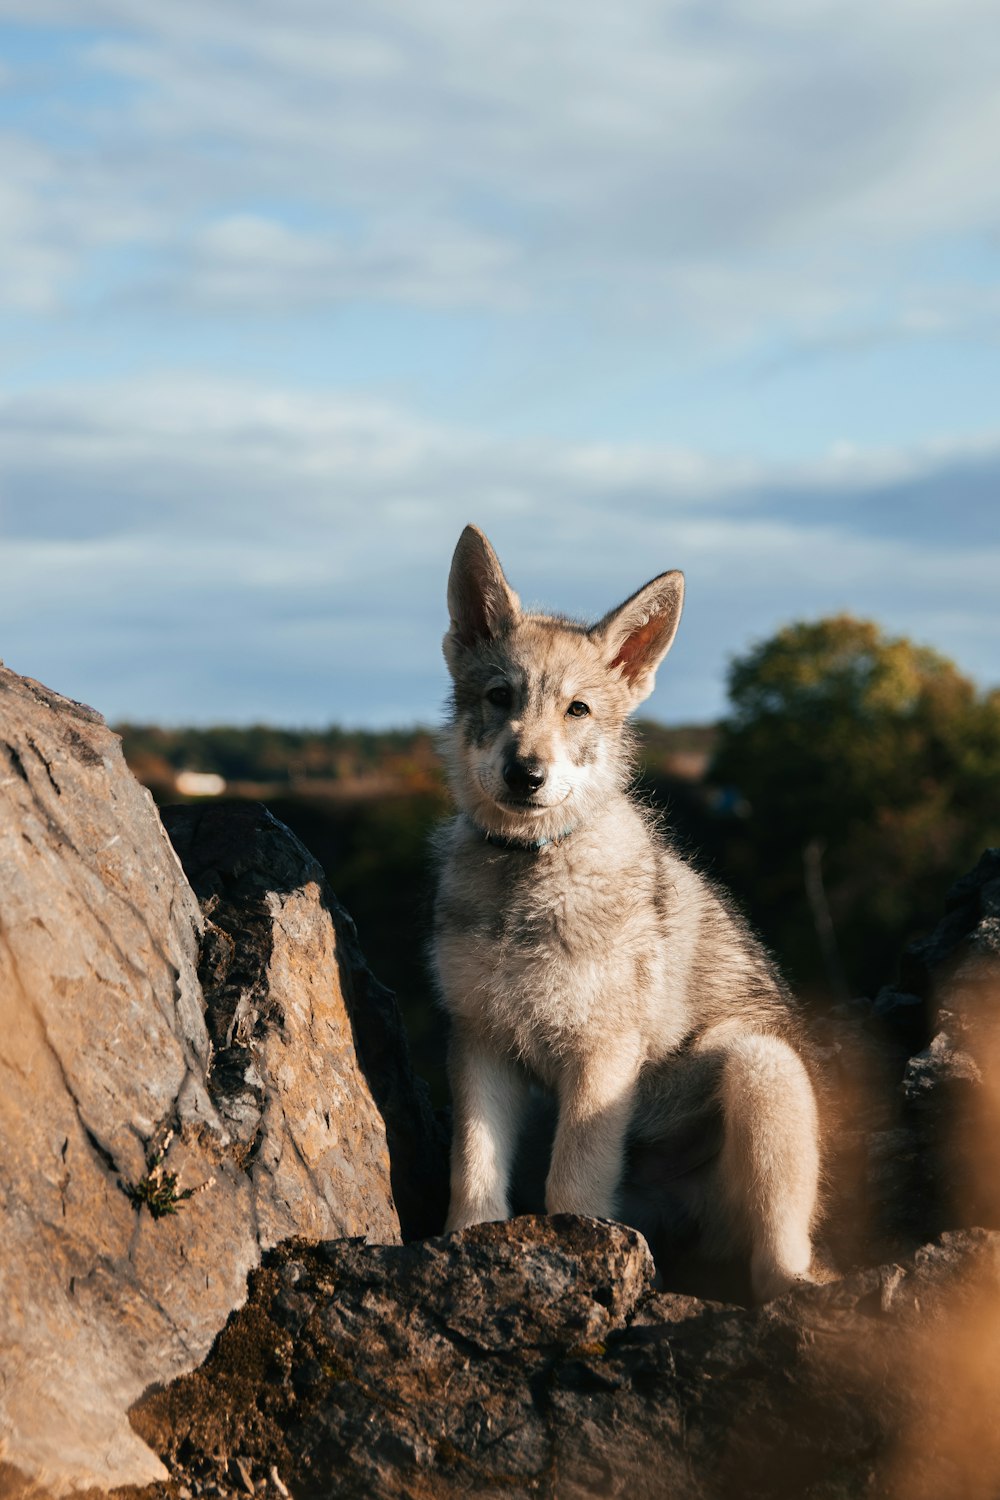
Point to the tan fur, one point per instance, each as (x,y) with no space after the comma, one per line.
(576,950)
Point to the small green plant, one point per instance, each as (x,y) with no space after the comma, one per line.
(158,1189)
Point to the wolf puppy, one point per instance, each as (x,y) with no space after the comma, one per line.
(575,949)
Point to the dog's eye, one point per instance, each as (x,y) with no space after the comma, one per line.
(578,710)
(499,696)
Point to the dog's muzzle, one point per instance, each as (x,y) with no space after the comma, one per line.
(524,777)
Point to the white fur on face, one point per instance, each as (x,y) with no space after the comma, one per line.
(582,758)
(562,778)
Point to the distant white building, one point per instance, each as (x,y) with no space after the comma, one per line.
(199,784)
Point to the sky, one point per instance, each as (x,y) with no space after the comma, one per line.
(289,294)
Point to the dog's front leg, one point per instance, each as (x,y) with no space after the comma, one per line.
(488,1095)
(596,1095)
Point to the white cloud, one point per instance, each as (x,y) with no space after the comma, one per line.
(765,162)
(246,260)
(35,260)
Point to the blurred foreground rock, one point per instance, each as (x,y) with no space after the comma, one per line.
(150,1150)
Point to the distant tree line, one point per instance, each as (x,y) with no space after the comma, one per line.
(265,754)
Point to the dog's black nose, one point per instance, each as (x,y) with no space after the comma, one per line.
(523,776)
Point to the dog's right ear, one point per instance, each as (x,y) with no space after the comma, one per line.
(637,635)
(481,602)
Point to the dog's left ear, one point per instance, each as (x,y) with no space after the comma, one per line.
(638,634)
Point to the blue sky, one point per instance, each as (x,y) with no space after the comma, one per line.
(288,295)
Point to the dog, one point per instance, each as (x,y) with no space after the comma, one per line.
(576,951)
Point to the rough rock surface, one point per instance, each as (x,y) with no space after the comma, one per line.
(285,1038)
(110,1105)
(534,1358)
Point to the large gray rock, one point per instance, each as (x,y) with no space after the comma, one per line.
(111,1275)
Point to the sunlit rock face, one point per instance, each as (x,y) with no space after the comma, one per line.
(311,1068)
(153,1146)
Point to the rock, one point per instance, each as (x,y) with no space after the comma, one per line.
(375,1364)
(535,1358)
(284,1078)
(138,1184)
(952,977)
(275,937)
(106,1050)
(970,927)
(947,1007)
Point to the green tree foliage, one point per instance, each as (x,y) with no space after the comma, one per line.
(871,767)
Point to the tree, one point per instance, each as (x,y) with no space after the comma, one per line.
(871,767)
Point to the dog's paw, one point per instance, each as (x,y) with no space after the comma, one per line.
(779,1281)
(772,1277)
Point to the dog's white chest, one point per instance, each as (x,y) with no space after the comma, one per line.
(534,1005)
(543,964)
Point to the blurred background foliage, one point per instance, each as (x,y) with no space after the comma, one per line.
(871,769)
(854,778)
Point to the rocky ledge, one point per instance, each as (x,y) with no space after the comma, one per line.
(221,1191)
(535,1359)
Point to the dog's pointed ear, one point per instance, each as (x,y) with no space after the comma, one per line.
(481,602)
(637,635)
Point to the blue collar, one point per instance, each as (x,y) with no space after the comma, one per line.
(525,846)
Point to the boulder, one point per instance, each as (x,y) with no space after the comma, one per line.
(536,1358)
(151,1151)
